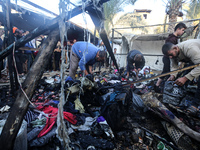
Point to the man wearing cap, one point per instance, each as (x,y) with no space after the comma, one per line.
(18,53)
(84,55)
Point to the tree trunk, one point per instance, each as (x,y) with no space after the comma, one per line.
(172,18)
(15,118)
(175,5)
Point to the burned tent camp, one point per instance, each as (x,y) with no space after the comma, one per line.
(99,111)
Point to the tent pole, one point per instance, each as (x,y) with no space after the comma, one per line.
(8,39)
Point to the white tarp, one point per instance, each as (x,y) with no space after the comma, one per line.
(146,46)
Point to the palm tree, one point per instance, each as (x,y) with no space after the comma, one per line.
(193,12)
(132,20)
(111,8)
(172,9)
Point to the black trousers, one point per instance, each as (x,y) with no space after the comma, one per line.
(166,67)
(57,60)
(19,62)
(197,94)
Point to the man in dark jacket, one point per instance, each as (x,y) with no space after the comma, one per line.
(172,38)
(135,60)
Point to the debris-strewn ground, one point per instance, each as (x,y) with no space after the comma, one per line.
(101,113)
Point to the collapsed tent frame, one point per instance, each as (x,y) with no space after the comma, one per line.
(21,104)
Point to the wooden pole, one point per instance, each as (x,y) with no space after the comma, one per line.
(8,40)
(94,39)
(39,7)
(112,39)
(98,22)
(15,118)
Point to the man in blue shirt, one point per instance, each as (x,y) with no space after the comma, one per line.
(84,55)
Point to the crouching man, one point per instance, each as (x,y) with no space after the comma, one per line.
(136,61)
(187,51)
(84,55)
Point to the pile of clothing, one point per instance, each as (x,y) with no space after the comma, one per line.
(101,113)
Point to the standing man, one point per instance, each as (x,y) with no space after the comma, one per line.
(18,53)
(84,55)
(57,55)
(28,53)
(135,60)
(115,51)
(187,51)
(172,38)
(102,47)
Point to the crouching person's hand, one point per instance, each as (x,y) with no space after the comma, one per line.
(171,78)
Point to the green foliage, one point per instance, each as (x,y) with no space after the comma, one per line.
(158,30)
(193,12)
(111,8)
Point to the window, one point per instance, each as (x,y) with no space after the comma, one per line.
(145,16)
(139,18)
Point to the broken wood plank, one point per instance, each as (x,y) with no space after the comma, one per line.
(15,118)
(97,16)
(160,109)
(39,7)
(106,42)
(164,74)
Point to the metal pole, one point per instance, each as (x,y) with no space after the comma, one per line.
(94,39)
(112,39)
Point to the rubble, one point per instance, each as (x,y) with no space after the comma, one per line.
(102,113)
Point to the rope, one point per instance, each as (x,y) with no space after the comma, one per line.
(18,77)
(62,131)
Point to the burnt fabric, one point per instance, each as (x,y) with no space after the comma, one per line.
(154,104)
(182,140)
(33,133)
(43,140)
(114,111)
(30,116)
(172,94)
(51,120)
(87,140)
